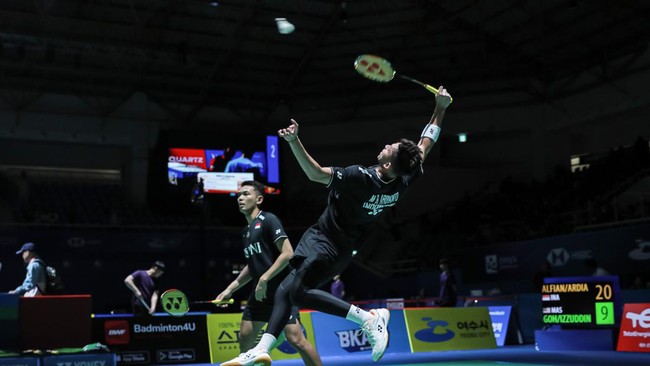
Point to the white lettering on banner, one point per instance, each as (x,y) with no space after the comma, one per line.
(636,334)
(186,159)
(163,328)
(352,338)
(643,319)
(116,332)
(497,327)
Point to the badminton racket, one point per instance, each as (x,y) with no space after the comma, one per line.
(175,303)
(379,69)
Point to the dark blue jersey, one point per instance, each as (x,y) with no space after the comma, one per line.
(357,198)
(260,244)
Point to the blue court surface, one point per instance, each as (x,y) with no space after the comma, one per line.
(507,356)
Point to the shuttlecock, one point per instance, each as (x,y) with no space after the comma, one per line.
(284,26)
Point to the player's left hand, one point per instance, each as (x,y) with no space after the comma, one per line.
(290,133)
(443,99)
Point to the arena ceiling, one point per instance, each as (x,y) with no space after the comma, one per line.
(188,55)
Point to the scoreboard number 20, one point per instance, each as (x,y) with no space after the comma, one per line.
(604,292)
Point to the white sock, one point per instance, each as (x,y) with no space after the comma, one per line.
(358,315)
(266,342)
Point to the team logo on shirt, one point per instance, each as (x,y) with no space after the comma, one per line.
(378,202)
(252,249)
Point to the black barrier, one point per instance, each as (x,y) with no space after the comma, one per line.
(160,339)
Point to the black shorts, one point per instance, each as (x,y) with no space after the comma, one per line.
(317,258)
(260,311)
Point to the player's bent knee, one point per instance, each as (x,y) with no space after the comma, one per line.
(295,337)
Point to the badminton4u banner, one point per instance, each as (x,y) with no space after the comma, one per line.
(634,335)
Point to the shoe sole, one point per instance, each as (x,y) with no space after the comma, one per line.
(387,335)
(265,361)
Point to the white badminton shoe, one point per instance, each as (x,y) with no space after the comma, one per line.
(253,357)
(376,330)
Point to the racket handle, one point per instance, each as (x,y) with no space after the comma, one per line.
(434,90)
(223,302)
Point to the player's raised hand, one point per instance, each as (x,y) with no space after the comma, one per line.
(443,99)
(290,133)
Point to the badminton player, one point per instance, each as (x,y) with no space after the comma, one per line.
(267,250)
(357,198)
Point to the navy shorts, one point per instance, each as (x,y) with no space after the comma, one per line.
(260,311)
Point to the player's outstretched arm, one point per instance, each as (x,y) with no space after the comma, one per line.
(312,169)
(243,278)
(432,129)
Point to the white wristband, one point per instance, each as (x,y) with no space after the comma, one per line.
(431,131)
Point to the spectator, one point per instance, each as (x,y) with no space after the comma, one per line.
(447,297)
(35,280)
(338,287)
(594,269)
(538,278)
(145,294)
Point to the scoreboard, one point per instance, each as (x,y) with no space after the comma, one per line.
(581,302)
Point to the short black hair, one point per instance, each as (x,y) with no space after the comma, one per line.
(259,187)
(408,158)
(160,265)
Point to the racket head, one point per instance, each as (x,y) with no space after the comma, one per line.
(375,68)
(174,302)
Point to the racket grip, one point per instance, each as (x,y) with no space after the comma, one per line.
(223,302)
(434,91)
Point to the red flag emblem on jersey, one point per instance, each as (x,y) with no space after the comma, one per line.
(258,225)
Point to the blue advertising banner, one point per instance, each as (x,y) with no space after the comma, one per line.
(340,337)
(9,321)
(565,254)
(500,316)
(20,361)
(159,339)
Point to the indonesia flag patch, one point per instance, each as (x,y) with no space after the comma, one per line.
(258,225)
(546,297)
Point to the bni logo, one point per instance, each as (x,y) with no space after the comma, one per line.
(117,332)
(491,264)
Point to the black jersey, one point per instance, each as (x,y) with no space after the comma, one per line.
(357,198)
(260,247)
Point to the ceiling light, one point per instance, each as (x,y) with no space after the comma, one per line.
(284,26)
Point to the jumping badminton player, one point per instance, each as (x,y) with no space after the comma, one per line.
(358,195)
(267,250)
